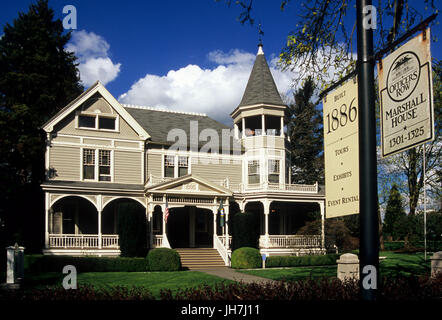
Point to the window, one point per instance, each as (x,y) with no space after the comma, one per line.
(91,167)
(86,121)
(89,164)
(169,166)
(106,123)
(253,171)
(180,162)
(274,171)
(183,166)
(91,121)
(104,171)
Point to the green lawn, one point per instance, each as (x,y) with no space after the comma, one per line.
(153,281)
(394,264)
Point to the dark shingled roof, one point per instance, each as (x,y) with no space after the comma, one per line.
(159,123)
(261,87)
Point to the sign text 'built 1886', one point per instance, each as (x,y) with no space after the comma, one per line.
(341,151)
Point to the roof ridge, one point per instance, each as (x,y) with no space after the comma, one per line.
(163,110)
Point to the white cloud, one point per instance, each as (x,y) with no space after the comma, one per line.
(92,52)
(216,91)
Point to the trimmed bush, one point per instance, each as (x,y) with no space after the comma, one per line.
(132,230)
(163,259)
(292,261)
(246,258)
(245,230)
(85,264)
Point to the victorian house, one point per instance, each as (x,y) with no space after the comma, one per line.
(100,153)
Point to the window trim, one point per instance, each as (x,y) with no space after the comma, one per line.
(273,173)
(97,165)
(176,165)
(257,173)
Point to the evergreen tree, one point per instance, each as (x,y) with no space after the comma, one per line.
(37,78)
(306,137)
(395,218)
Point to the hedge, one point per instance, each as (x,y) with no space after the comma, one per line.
(246,258)
(85,264)
(293,261)
(163,259)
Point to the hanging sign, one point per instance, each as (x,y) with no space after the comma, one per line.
(341,150)
(406,96)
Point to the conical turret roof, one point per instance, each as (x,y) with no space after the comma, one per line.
(261,87)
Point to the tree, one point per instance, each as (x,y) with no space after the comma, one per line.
(322,43)
(393,214)
(37,78)
(306,137)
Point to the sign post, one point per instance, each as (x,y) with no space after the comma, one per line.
(368,200)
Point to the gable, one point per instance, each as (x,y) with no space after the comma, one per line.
(190,184)
(96,105)
(95,100)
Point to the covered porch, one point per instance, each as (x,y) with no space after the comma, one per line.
(279,221)
(86,223)
(185,213)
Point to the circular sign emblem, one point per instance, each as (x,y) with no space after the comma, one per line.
(403,76)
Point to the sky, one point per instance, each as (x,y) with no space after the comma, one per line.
(189,55)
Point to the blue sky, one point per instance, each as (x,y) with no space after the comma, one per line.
(188,55)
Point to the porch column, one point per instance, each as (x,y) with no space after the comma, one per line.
(282,127)
(163,210)
(321,207)
(149,213)
(263,124)
(215,227)
(99,230)
(226,220)
(47,208)
(243,123)
(266,205)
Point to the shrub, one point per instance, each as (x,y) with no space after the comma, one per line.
(245,230)
(246,258)
(292,261)
(85,264)
(163,259)
(132,230)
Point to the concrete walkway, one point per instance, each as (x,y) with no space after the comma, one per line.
(231,274)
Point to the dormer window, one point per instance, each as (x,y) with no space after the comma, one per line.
(97,122)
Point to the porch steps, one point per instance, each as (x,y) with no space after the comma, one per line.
(200,258)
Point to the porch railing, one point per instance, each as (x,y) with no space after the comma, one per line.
(83,241)
(290,241)
(220,245)
(275,187)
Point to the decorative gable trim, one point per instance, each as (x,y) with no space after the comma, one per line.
(97,87)
(189,183)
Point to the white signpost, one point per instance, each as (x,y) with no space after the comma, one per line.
(341,150)
(406,95)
